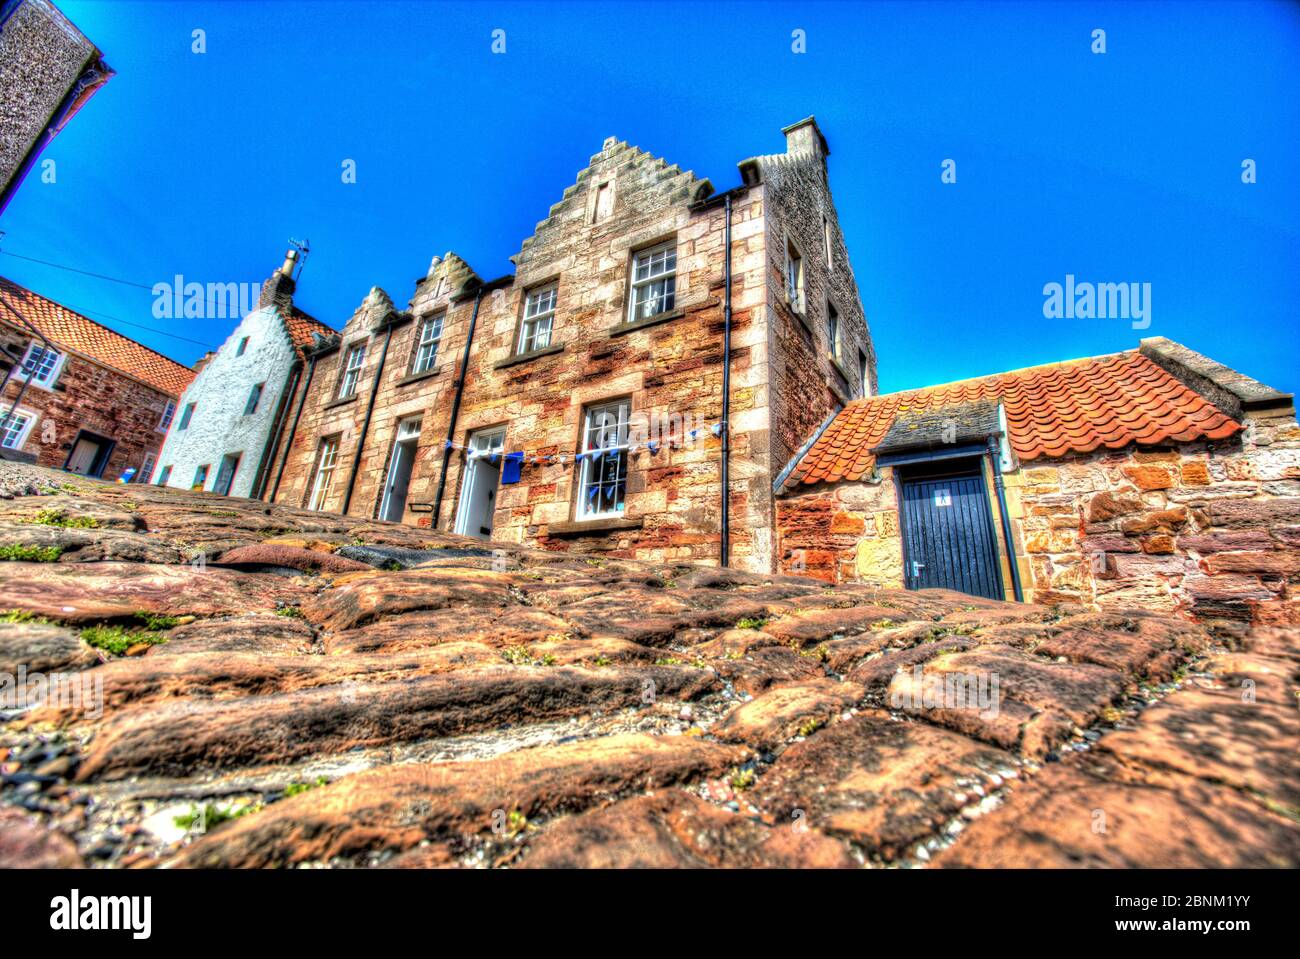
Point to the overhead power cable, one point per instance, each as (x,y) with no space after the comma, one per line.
(109,316)
(73,269)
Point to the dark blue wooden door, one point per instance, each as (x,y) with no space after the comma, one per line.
(948,536)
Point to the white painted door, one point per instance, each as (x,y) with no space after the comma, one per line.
(478,491)
(83,456)
(400,464)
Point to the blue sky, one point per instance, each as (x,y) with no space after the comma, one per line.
(1118,167)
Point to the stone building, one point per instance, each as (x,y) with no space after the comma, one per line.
(48,70)
(576,404)
(236,411)
(1154,478)
(75,395)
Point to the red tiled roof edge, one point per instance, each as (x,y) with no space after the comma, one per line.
(301,328)
(80,334)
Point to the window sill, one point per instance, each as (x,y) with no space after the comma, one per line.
(416,377)
(592,527)
(342,402)
(802,317)
(839,367)
(530,355)
(48,386)
(641,324)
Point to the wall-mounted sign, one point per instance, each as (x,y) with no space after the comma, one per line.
(942,497)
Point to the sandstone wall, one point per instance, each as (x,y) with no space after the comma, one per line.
(1209,530)
(669,367)
(89,396)
(807,382)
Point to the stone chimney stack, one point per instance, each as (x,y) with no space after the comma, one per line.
(279,287)
(805,139)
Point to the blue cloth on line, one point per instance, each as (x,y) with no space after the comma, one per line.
(512,467)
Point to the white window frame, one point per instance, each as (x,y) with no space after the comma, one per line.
(168,414)
(592,470)
(24,431)
(51,376)
(539,318)
(658,288)
(426,349)
(794,277)
(351,377)
(146,468)
(327,457)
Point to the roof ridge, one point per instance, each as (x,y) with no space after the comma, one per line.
(1073,406)
(862,401)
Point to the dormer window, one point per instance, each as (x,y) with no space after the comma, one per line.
(352,371)
(654,281)
(539,315)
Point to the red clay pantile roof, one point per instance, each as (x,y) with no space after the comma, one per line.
(302,326)
(94,340)
(1072,407)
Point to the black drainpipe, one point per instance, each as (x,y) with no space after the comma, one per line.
(994,457)
(724,537)
(272,447)
(293,429)
(455,410)
(365,424)
(725,544)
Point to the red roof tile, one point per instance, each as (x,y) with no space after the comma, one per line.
(1072,407)
(82,335)
(302,326)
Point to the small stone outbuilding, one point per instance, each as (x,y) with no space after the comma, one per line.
(1152,478)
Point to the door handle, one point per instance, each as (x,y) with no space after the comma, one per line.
(917,567)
